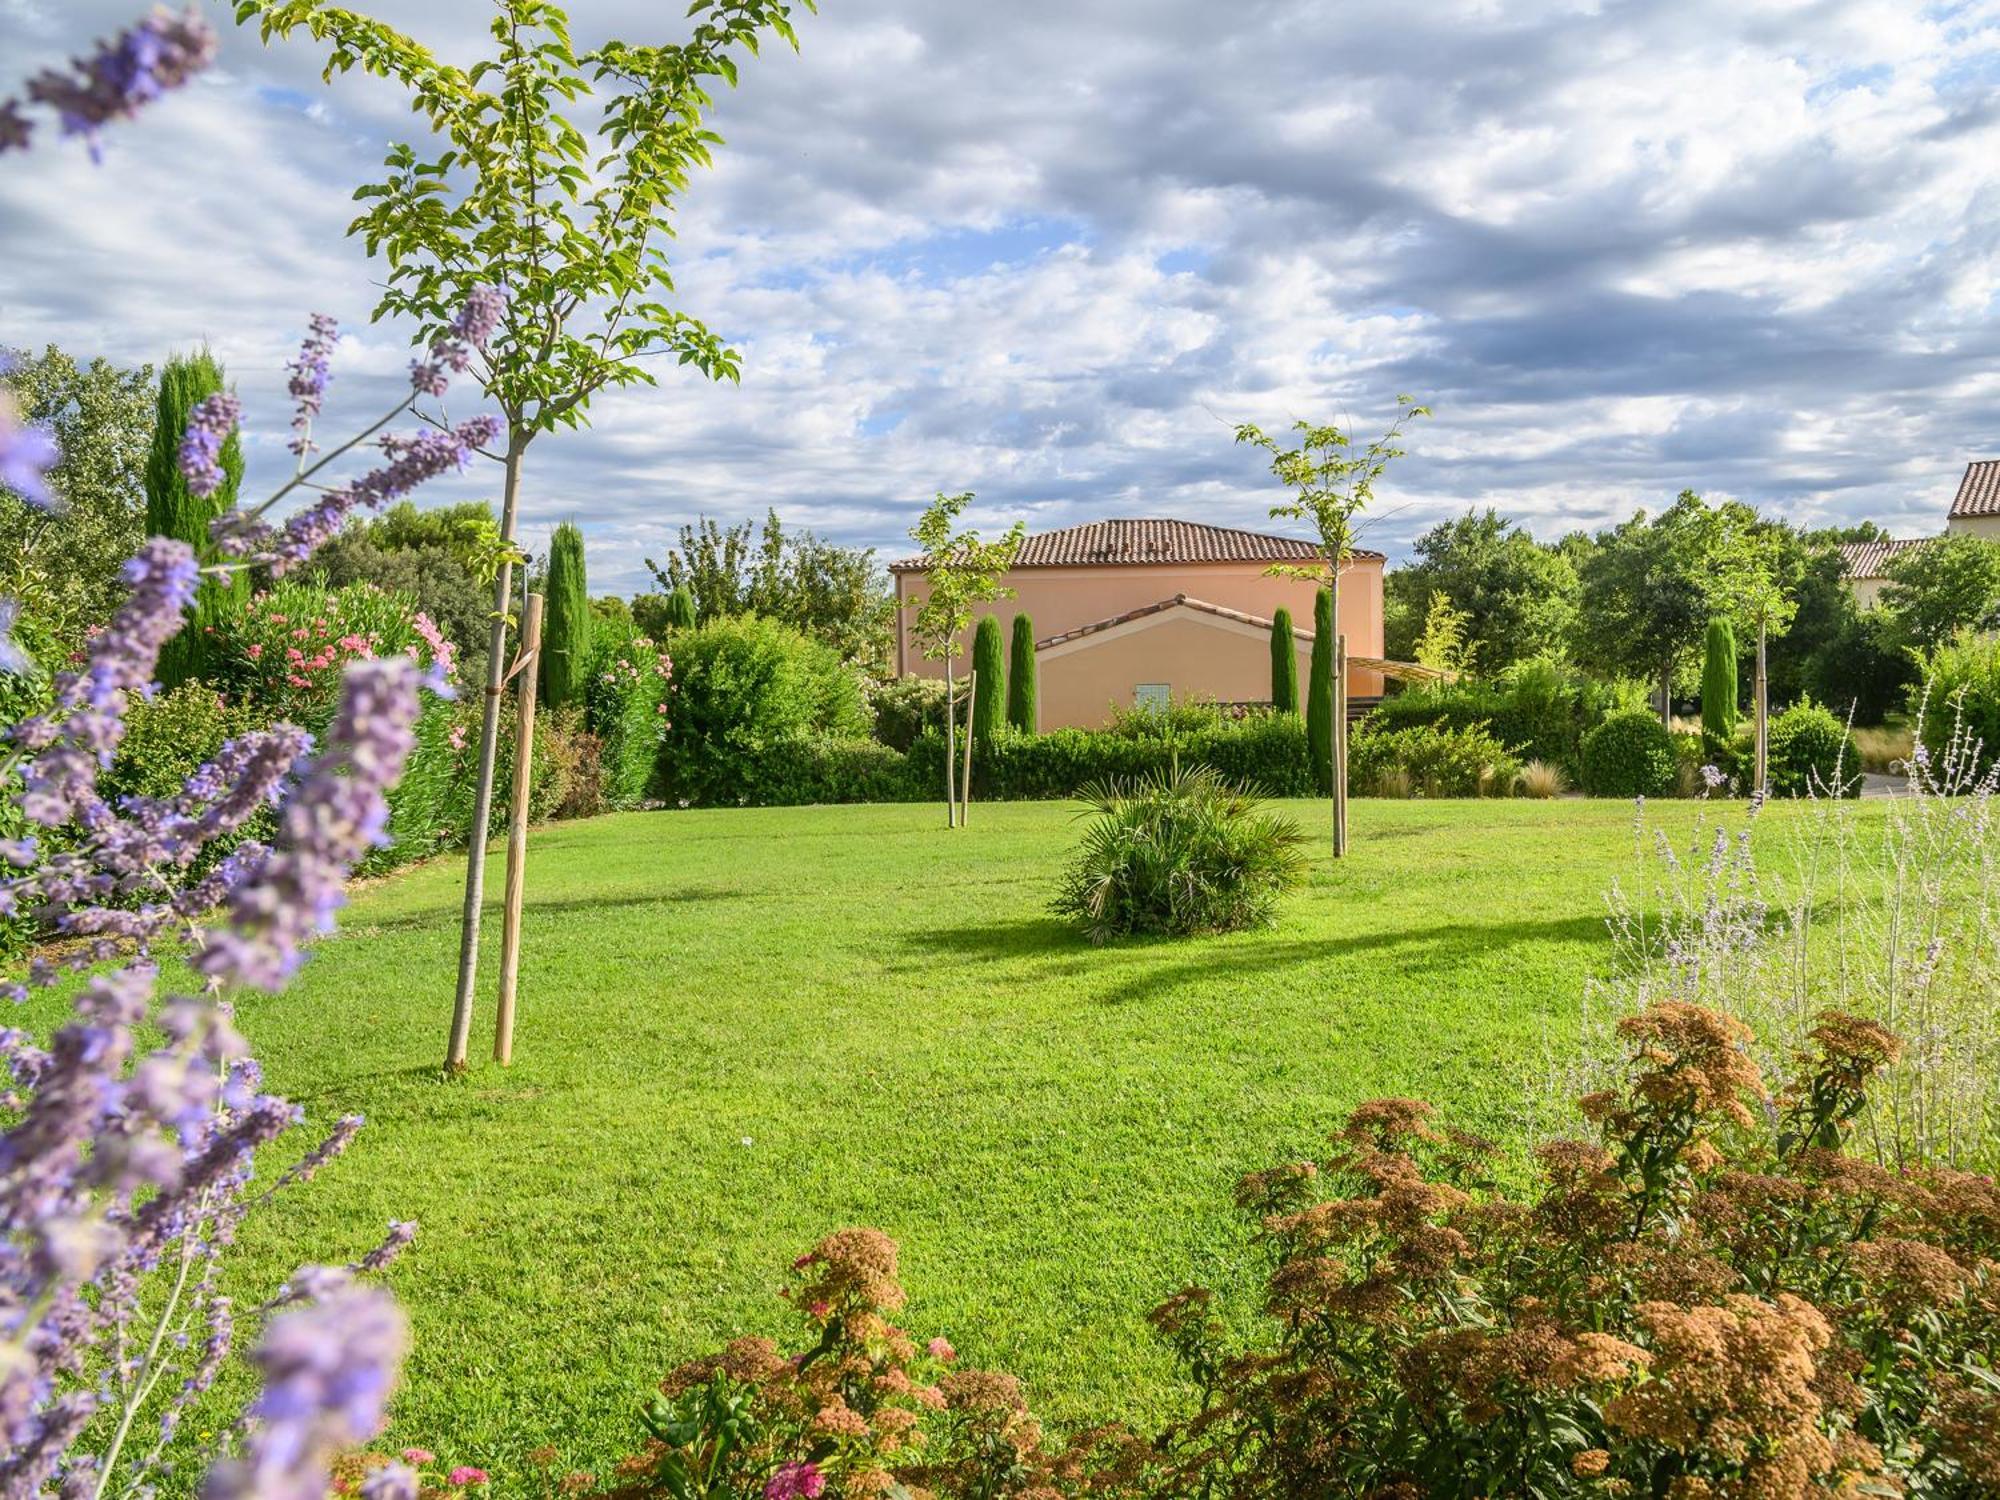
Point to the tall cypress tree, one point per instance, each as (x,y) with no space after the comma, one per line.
(680,610)
(1021,676)
(172,509)
(1319,694)
(1718,683)
(989,706)
(565,621)
(1284,664)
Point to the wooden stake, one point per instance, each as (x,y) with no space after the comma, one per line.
(950,753)
(1340,745)
(965,783)
(517,828)
(1763,712)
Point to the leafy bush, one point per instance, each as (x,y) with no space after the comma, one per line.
(172,733)
(1179,853)
(904,707)
(1428,761)
(626,709)
(1540,710)
(1262,749)
(1630,754)
(742,688)
(818,769)
(1861,669)
(1812,752)
(1962,696)
(284,654)
(1712,1298)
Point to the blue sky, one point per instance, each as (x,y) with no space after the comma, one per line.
(1053,252)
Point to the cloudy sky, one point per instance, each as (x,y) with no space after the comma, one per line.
(1052,250)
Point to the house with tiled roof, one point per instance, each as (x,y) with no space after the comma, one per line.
(1135,611)
(1975,511)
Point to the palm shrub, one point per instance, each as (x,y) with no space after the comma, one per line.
(1812,753)
(1178,853)
(1021,676)
(1630,754)
(1284,664)
(1319,694)
(172,509)
(567,621)
(1718,683)
(989,704)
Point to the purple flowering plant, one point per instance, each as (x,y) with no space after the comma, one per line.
(126,1165)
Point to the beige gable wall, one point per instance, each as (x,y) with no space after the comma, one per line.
(1065,599)
(1986,526)
(1193,654)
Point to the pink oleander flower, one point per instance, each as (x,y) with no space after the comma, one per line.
(819,1309)
(256,651)
(457,737)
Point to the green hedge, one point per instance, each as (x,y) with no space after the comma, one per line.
(1266,750)
(1427,761)
(1629,755)
(1540,711)
(1811,752)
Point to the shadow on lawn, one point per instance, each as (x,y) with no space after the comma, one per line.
(447,916)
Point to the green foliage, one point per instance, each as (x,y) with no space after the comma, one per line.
(170,734)
(626,697)
(1962,687)
(64,565)
(1176,854)
(989,677)
(1429,761)
(1518,599)
(960,571)
(566,621)
(1646,591)
(1260,749)
(1811,752)
(904,707)
(172,509)
(811,769)
(1319,694)
(1718,683)
(1021,677)
(742,688)
(1443,644)
(1859,667)
(1331,483)
(834,594)
(1948,585)
(1284,663)
(284,654)
(1629,754)
(442,560)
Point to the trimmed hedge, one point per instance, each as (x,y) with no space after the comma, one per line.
(1430,762)
(1629,755)
(1266,751)
(1812,752)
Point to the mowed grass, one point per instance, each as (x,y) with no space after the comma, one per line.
(740,1030)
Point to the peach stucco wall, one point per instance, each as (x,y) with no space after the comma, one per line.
(1192,659)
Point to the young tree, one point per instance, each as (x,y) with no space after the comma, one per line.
(1331,484)
(1943,587)
(1284,663)
(566,621)
(1319,693)
(1443,644)
(172,509)
(1021,676)
(65,563)
(1718,683)
(518,198)
(1756,569)
(989,675)
(960,571)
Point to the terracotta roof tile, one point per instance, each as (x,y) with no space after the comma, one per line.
(1871,559)
(1114,543)
(1979,491)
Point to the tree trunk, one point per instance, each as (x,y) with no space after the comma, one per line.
(1763,711)
(950,754)
(517,829)
(1667,696)
(965,781)
(489,742)
(1339,742)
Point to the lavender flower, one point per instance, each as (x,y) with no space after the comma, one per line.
(12,658)
(328,1370)
(159,52)
(310,374)
(471,330)
(211,424)
(27,450)
(391,1482)
(341,811)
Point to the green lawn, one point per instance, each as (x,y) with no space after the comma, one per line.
(742,1029)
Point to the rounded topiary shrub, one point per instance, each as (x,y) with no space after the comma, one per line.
(1811,752)
(1179,852)
(1629,755)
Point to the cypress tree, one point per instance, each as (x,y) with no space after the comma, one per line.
(1718,683)
(680,610)
(1319,694)
(1021,676)
(1284,664)
(989,707)
(172,509)
(566,621)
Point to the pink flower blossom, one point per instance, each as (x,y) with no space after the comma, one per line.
(457,736)
(256,650)
(795,1481)
(941,1350)
(819,1309)
(466,1474)
(419,1456)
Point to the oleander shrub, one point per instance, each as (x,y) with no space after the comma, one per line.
(904,707)
(1962,697)
(626,709)
(1708,1297)
(1811,753)
(284,654)
(1429,761)
(742,688)
(1183,852)
(1630,754)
